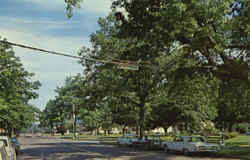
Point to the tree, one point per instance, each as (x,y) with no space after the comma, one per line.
(233,104)
(204,25)
(16,91)
(132,88)
(214,37)
(70,4)
(216,34)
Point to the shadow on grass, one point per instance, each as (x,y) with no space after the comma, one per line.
(237,143)
(242,152)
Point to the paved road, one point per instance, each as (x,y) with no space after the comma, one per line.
(38,148)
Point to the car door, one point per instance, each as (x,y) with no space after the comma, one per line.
(179,143)
(123,140)
(8,149)
(3,154)
(173,145)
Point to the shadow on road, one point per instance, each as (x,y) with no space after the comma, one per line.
(60,150)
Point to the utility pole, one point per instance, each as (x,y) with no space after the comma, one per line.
(74,121)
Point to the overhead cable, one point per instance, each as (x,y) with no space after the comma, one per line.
(67,55)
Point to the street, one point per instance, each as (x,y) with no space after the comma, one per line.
(44,148)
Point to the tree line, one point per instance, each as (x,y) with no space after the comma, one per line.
(193,60)
(16,89)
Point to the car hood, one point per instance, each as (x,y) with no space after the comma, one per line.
(204,144)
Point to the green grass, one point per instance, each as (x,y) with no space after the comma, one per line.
(214,139)
(237,147)
(167,138)
(93,137)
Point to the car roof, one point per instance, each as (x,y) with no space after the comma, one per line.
(4,137)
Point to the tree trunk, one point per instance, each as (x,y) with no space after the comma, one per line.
(51,130)
(97,131)
(9,131)
(124,129)
(165,130)
(105,132)
(141,120)
(230,126)
(137,129)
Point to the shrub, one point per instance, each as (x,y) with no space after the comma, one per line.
(186,133)
(209,129)
(234,134)
(242,128)
(229,135)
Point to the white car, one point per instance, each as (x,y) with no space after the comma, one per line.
(189,144)
(9,147)
(127,139)
(3,153)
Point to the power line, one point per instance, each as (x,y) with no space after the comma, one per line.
(38,49)
(67,55)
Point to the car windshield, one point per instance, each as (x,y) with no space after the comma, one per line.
(196,139)
(154,138)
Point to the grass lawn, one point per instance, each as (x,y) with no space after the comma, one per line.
(237,147)
(110,138)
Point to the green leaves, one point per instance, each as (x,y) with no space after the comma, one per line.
(190,83)
(16,91)
(70,4)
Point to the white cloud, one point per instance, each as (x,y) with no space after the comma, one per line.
(96,6)
(53,34)
(36,26)
(48,69)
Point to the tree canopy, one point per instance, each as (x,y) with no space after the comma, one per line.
(193,60)
(16,91)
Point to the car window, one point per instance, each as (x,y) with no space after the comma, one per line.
(13,140)
(179,139)
(5,142)
(196,139)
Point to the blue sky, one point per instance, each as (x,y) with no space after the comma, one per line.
(43,24)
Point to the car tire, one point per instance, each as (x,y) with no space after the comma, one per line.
(185,152)
(166,150)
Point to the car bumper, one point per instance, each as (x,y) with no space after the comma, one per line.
(205,150)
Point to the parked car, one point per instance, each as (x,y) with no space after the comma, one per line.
(155,142)
(126,140)
(9,147)
(142,143)
(248,133)
(189,144)
(16,144)
(3,153)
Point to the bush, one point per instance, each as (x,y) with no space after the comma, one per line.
(242,128)
(186,133)
(229,135)
(209,130)
(234,134)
